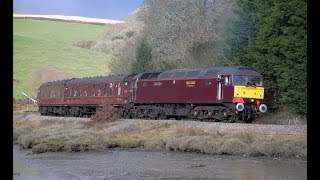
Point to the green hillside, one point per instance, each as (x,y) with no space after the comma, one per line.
(44,51)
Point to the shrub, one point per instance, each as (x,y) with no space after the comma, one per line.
(107,114)
(85,44)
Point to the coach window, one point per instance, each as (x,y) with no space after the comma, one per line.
(54,91)
(70,92)
(119,89)
(58,92)
(85,90)
(80,91)
(105,89)
(51,92)
(111,89)
(99,90)
(93,90)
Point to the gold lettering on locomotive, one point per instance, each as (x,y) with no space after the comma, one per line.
(190,83)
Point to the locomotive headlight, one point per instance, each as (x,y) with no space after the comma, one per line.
(240,106)
(252,100)
(263,108)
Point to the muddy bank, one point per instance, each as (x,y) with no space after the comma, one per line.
(42,134)
(142,164)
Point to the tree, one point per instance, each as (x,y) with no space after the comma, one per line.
(143,57)
(278,50)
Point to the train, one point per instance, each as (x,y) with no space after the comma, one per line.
(224,94)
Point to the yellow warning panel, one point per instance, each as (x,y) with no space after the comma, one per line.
(249,92)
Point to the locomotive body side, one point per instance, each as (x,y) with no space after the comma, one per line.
(202,93)
(181,91)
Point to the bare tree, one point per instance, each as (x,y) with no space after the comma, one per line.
(188,33)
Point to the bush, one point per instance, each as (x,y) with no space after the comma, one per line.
(85,44)
(107,114)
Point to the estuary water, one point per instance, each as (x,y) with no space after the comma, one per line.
(143,164)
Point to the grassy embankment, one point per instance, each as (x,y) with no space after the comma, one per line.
(44,51)
(78,135)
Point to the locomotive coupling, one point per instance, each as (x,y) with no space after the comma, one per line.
(240,106)
(263,108)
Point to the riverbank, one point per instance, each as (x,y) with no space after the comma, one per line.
(43,134)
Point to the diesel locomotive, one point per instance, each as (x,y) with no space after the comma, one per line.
(215,94)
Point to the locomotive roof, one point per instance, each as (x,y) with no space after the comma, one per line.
(198,72)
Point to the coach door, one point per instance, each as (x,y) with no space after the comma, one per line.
(128,84)
(220,87)
(126,91)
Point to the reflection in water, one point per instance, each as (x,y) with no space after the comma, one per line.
(141,164)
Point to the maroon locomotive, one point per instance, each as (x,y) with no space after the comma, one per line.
(217,93)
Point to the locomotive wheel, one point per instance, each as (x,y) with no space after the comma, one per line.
(231,119)
(127,115)
(249,120)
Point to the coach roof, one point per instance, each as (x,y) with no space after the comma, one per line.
(97,79)
(56,83)
(85,79)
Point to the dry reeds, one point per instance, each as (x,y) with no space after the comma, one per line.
(83,136)
(107,114)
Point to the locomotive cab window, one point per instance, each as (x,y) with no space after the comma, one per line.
(247,80)
(227,80)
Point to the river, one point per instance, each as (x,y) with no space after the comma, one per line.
(143,164)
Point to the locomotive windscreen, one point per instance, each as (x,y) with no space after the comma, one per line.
(247,80)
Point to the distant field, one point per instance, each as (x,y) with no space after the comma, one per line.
(44,51)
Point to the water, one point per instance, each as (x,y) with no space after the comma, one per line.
(142,164)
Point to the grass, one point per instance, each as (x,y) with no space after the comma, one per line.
(42,136)
(44,51)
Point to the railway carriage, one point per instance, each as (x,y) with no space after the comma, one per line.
(80,96)
(217,93)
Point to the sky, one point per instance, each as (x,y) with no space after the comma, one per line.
(105,9)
